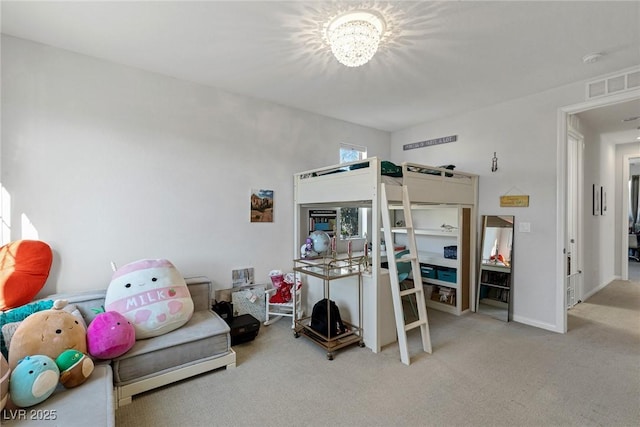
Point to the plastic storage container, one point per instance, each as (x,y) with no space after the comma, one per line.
(447,274)
(428,271)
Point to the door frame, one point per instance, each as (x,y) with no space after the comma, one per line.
(561,190)
(578,249)
(624,215)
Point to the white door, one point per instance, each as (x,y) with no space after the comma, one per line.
(575,148)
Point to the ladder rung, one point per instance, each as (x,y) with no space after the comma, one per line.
(415,324)
(401,229)
(406,258)
(411,291)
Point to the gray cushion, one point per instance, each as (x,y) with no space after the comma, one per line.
(92,400)
(205,336)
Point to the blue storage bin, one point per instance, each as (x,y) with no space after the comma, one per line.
(447,274)
(428,271)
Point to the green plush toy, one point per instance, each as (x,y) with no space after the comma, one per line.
(75,367)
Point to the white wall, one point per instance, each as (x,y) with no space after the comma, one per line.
(114,163)
(523,133)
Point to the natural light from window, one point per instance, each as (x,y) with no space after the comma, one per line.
(5,216)
(353,221)
(29,232)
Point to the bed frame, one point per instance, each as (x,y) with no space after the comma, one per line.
(359,184)
(360,181)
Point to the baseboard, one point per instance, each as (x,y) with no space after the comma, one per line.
(537,324)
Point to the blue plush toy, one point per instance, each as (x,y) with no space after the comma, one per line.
(33,380)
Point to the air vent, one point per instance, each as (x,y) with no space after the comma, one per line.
(618,83)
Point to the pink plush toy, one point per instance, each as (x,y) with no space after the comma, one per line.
(152,295)
(110,335)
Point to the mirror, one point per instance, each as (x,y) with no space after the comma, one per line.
(496,267)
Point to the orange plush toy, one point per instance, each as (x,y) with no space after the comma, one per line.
(24,269)
(48,333)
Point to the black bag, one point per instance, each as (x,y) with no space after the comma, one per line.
(319,319)
(224,309)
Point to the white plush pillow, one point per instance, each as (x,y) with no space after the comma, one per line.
(152,295)
(8,329)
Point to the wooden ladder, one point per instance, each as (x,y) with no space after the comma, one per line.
(415,289)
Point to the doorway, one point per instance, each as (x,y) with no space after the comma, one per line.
(630,213)
(564,270)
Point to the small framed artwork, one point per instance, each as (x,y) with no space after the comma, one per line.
(596,199)
(261,205)
(242,277)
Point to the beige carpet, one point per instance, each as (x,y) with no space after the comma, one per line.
(482,372)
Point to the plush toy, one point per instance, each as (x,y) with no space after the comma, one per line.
(110,335)
(75,368)
(152,295)
(24,269)
(49,333)
(5,374)
(284,286)
(33,380)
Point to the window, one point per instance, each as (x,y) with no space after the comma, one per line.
(352,153)
(352,220)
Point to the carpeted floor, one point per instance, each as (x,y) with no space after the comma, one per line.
(482,372)
(634,271)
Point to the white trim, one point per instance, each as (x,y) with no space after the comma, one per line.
(125,392)
(561,183)
(578,255)
(536,323)
(624,267)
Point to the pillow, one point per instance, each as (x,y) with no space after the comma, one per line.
(33,380)
(48,333)
(110,335)
(8,330)
(25,266)
(152,295)
(17,315)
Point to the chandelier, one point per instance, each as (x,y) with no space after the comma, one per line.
(354,37)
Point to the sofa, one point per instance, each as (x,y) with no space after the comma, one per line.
(202,344)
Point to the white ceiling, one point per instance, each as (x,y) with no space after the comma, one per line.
(437,59)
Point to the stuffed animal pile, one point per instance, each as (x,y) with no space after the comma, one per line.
(145,298)
(39,342)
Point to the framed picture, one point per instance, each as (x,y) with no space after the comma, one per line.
(596,199)
(242,277)
(261,205)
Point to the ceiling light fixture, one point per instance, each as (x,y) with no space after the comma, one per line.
(354,37)
(591,58)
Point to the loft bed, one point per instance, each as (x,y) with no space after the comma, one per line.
(359,184)
(361,180)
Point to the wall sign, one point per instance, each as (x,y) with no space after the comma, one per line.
(514,201)
(429,142)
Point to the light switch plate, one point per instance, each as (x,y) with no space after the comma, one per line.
(525,227)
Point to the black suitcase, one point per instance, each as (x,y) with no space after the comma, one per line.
(243,328)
